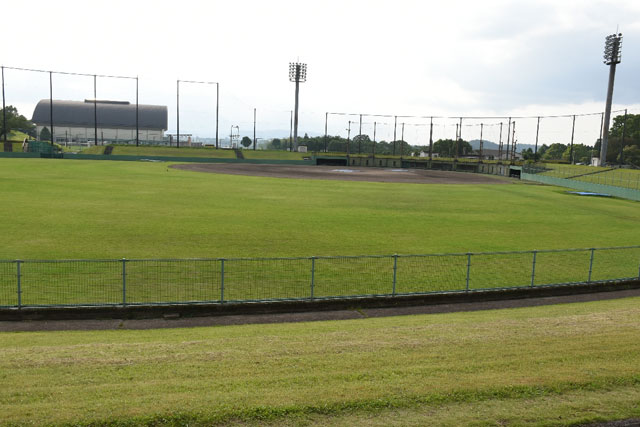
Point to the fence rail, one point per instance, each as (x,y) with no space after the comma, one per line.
(53,283)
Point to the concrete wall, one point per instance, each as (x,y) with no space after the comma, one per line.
(378,162)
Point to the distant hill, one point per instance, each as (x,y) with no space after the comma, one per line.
(493,146)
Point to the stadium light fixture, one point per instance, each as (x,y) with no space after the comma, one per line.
(612,57)
(297,74)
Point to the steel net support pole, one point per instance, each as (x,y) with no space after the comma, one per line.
(468,270)
(95,110)
(326,123)
(4,111)
(51,105)
(222,280)
(313,273)
(19,277)
(533,269)
(124,282)
(591,264)
(395,273)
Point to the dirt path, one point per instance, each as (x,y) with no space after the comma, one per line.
(344,173)
(189,322)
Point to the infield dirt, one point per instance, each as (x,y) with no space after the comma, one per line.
(343,173)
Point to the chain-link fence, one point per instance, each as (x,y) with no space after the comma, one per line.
(39,283)
(623,183)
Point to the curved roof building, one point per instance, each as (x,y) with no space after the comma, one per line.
(110,114)
(115,120)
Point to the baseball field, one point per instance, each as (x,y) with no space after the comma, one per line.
(552,365)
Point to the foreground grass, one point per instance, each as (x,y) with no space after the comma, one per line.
(555,365)
(88,209)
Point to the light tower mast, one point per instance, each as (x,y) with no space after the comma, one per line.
(612,54)
(297,74)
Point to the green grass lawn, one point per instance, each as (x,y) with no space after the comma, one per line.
(274,154)
(550,365)
(61,209)
(131,150)
(627,178)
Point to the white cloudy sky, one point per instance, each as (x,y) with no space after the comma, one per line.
(470,58)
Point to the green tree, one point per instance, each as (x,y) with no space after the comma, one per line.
(45,134)
(581,153)
(554,152)
(275,144)
(631,155)
(16,122)
(246,141)
(527,154)
(632,125)
(447,147)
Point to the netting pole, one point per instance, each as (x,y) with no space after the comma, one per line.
(395,273)
(591,265)
(313,273)
(326,123)
(124,282)
(533,269)
(468,269)
(222,280)
(19,284)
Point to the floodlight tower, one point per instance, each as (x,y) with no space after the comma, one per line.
(612,46)
(297,74)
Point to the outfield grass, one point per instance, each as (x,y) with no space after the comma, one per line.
(274,154)
(60,209)
(550,365)
(131,150)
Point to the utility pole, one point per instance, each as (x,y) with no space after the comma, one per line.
(500,144)
(254,128)
(326,123)
(95,111)
(573,127)
(4,113)
(481,126)
(178,114)
(51,105)
(508,136)
(430,138)
(535,153)
(395,123)
(291,132)
(612,47)
(360,136)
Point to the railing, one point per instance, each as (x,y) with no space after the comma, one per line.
(41,283)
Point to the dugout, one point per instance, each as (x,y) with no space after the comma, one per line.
(330,161)
(515,171)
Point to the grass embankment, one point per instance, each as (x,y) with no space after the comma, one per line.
(130,150)
(548,365)
(62,209)
(627,178)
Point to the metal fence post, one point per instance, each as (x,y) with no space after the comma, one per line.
(222,280)
(395,273)
(19,284)
(533,268)
(468,268)
(124,282)
(591,265)
(313,273)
